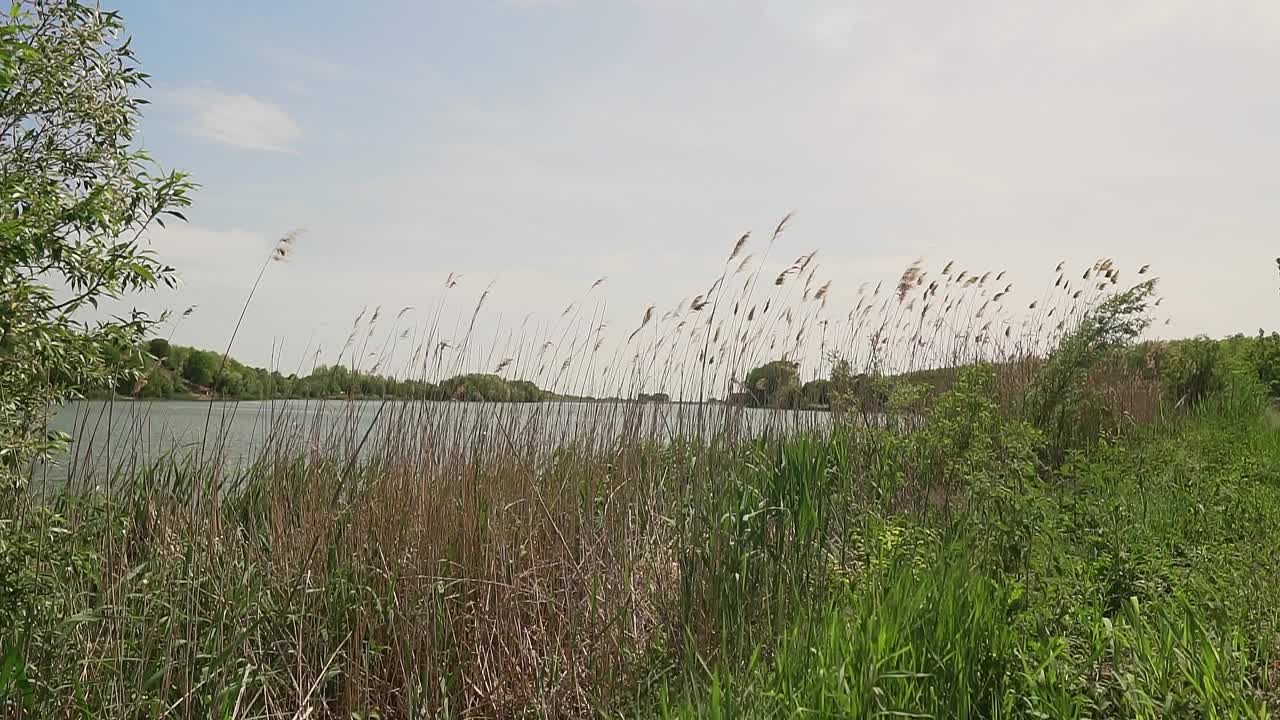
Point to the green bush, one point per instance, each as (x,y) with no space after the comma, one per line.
(1059,396)
(1192,369)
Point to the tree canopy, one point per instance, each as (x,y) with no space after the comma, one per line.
(775,384)
(79,198)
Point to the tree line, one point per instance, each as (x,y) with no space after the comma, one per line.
(160,370)
(1185,370)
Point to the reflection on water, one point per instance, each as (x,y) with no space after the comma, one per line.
(126,435)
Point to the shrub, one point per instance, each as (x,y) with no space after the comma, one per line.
(1192,370)
(1057,395)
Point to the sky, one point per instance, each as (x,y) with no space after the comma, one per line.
(538,145)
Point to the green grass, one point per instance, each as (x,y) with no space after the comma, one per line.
(1149,589)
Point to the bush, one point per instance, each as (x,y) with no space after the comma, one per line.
(1192,369)
(1058,395)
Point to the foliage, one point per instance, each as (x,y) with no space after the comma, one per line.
(1123,603)
(851,392)
(969,450)
(774,384)
(162,370)
(816,393)
(1262,353)
(487,387)
(1059,398)
(937,569)
(78,199)
(1191,371)
(158,348)
(1194,368)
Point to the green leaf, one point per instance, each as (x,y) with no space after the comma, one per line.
(13,675)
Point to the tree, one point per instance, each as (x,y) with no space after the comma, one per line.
(525,391)
(1266,358)
(158,348)
(851,392)
(177,358)
(78,198)
(817,392)
(477,387)
(774,384)
(200,368)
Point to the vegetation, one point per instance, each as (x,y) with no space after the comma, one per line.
(1007,514)
(163,370)
(1091,593)
(78,200)
(1194,368)
(1043,544)
(774,384)
(948,570)
(777,385)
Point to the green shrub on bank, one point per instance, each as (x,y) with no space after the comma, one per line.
(1194,368)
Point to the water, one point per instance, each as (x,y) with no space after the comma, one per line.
(128,434)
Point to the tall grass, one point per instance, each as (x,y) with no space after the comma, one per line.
(425,559)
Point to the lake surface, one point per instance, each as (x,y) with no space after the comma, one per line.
(124,435)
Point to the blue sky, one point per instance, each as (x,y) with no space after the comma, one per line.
(540,145)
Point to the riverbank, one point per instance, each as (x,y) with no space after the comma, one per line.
(1138,580)
(954,570)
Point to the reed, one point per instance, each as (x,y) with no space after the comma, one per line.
(444,559)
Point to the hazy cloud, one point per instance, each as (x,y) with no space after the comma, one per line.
(203,252)
(834,28)
(238,120)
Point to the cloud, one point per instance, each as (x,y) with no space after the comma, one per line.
(215,268)
(308,74)
(201,253)
(238,120)
(835,28)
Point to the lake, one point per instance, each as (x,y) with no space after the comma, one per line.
(128,434)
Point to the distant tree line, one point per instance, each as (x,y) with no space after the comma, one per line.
(1186,371)
(158,369)
(1187,368)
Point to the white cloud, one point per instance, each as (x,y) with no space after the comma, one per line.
(834,29)
(202,253)
(238,120)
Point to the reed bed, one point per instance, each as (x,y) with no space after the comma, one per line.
(380,558)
